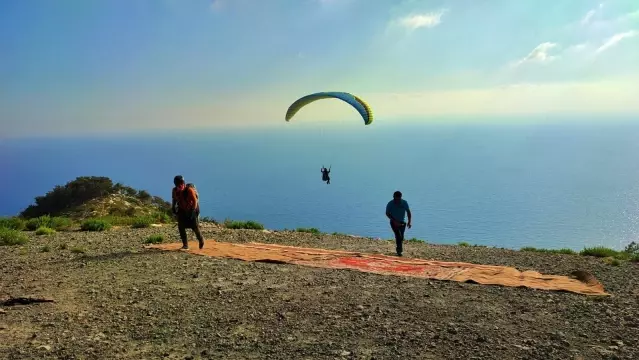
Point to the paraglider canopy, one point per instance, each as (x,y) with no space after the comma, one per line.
(360,105)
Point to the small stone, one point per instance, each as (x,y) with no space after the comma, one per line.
(345,353)
(619,343)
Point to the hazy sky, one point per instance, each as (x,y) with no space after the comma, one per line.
(78,65)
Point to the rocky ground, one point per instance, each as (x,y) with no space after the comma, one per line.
(115,300)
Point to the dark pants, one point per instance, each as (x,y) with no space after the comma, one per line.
(186,221)
(399,236)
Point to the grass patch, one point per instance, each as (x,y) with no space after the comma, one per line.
(252,225)
(43,230)
(208,219)
(599,251)
(78,250)
(338,234)
(13,223)
(414,240)
(142,222)
(154,239)
(314,231)
(95,225)
(463,244)
(612,261)
(45,248)
(549,251)
(56,223)
(10,237)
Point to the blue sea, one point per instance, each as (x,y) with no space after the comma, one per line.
(506,184)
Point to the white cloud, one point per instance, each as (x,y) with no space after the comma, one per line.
(416,21)
(540,54)
(615,39)
(578,48)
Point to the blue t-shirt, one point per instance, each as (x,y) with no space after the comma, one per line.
(397,211)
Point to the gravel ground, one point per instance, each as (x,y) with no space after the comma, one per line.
(115,300)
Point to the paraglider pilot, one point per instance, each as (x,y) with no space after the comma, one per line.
(325,176)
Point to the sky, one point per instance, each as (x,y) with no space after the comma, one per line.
(77,66)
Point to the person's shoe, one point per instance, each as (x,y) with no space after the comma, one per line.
(201,244)
(185,247)
(399,254)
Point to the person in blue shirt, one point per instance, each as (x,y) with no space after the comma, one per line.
(396,211)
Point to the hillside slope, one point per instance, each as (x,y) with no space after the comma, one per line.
(95,196)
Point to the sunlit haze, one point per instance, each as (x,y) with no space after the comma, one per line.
(78,66)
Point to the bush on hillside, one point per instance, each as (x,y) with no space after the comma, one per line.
(154,239)
(549,251)
(56,223)
(599,251)
(95,225)
(65,198)
(9,237)
(252,225)
(72,194)
(142,222)
(13,223)
(314,231)
(43,230)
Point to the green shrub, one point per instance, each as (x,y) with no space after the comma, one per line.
(55,223)
(549,251)
(141,222)
(162,218)
(43,230)
(60,223)
(253,225)
(209,220)
(154,239)
(117,220)
(12,237)
(40,221)
(416,240)
(635,258)
(599,251)
(463,244)
(13,223)
(95,225)
(314,231)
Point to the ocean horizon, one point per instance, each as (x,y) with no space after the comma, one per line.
(550,184)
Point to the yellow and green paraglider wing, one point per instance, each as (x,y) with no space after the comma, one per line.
(360,105)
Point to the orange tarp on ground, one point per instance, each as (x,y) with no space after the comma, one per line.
(391,265)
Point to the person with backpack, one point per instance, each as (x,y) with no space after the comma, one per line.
(186,207)
(396,211)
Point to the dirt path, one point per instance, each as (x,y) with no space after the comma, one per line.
(117,300)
